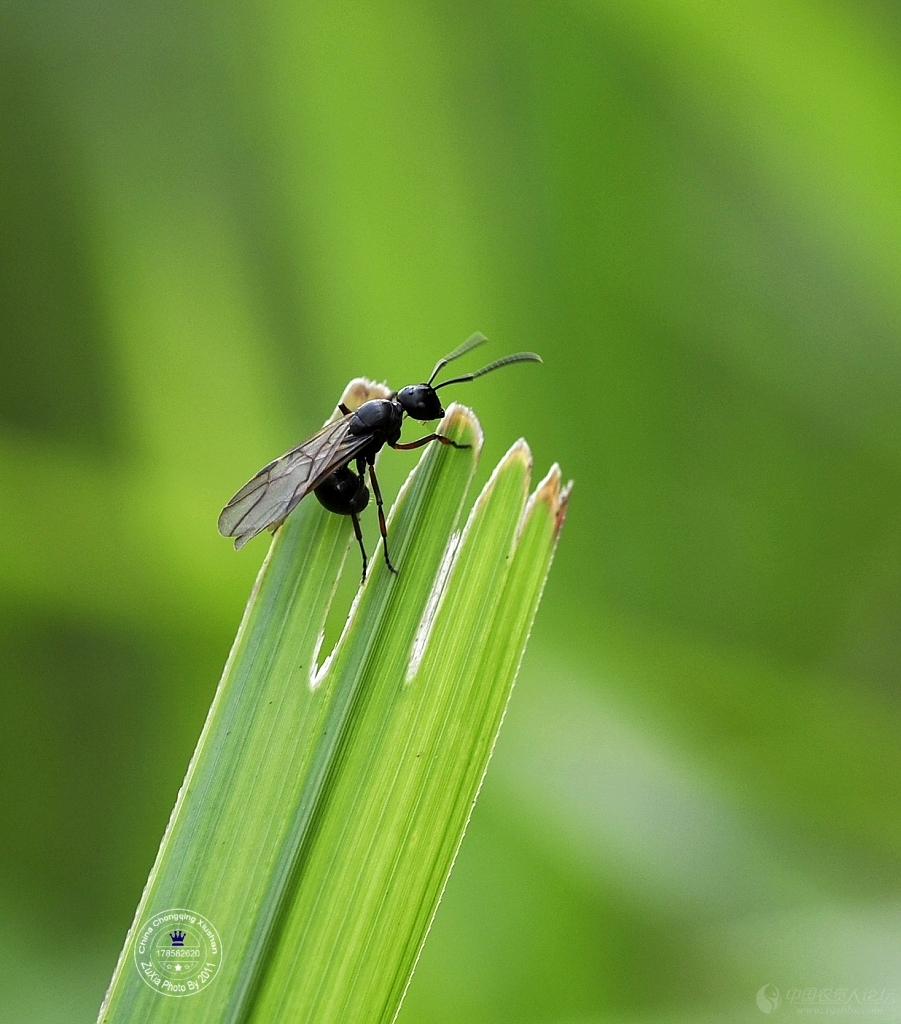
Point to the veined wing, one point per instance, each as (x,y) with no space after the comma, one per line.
(270,496)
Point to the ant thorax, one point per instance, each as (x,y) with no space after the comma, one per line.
(379,417)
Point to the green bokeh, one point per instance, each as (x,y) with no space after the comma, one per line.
(213,215)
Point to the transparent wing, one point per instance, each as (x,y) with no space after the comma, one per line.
(266,500)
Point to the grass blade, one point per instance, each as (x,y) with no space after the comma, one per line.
(324,804)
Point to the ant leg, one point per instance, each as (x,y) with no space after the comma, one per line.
(420,442)
(383,529)
(359,535)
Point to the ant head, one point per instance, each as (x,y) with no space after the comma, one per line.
(420,401)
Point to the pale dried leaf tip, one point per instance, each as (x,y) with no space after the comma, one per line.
(462,418)
(518,450)
(562,506)
(361,390)
(553,495)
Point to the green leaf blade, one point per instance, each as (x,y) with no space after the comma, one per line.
(325,803)
(405,788)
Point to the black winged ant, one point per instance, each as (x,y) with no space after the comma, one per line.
(322,463)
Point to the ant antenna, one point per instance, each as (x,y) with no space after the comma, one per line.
(471,342)
(517,357)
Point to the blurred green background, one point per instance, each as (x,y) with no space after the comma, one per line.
(213,215)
